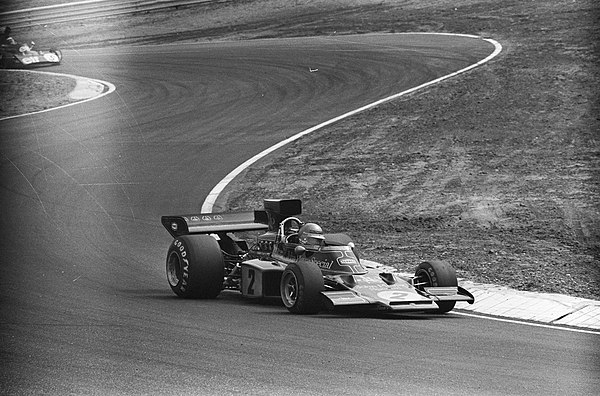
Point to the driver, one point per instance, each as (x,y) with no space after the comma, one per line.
(7,40)
(311,236)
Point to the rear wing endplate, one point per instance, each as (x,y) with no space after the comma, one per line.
(214,223)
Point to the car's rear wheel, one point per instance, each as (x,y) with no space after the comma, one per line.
(6,60)
(301,287)
(195,267)
(437,273)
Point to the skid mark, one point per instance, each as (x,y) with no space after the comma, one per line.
(105,166)
(30,185)
(87,191)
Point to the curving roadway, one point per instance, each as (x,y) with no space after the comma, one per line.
(85,307)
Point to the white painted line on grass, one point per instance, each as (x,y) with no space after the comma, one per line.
(213,195)
(82,83)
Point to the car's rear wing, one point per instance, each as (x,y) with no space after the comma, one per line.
(275,210)
(214,223)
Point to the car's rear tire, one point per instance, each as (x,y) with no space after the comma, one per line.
(195,267)
(6,60)
(301,287)
(437,273)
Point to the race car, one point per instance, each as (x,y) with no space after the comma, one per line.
(310,271)
(25,56)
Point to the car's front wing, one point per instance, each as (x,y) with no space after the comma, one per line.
(402,298)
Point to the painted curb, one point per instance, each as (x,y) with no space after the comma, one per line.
(549,308)
(552,310)
(86,89)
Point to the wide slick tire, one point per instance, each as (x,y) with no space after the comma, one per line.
(437,273)
(195,267)
(301,287)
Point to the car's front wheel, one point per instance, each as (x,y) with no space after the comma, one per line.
(57,53)
(437,273)
(301,287)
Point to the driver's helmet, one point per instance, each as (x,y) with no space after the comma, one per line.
(311,236)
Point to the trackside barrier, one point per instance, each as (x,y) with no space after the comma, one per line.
(90,9)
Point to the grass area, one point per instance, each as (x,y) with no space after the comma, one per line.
(27,92)
(497,171)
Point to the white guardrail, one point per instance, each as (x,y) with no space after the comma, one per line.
(89,9)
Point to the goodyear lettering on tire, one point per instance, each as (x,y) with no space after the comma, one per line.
(185,274)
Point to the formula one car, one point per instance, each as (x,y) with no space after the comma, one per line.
(309,270)
(25,56)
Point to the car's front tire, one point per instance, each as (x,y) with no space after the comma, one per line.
(58,54)
(301,287)
(195,267)
(437,273)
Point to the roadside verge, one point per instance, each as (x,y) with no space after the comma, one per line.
(86,89)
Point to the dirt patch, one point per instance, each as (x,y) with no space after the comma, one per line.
(496,171)
(25,92)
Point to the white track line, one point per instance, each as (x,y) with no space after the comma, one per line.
(49,7)
(213,195)
(523,322)
(110,89)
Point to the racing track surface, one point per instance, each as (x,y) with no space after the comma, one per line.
(86,308)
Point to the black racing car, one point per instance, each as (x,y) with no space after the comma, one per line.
(295,261)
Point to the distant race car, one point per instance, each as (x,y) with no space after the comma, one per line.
(309,270)
(25,56)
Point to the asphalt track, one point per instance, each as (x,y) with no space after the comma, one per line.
(85,305)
